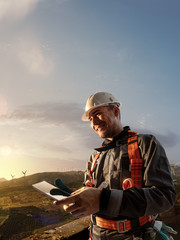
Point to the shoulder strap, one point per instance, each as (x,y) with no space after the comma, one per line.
(136,162)
(92,167)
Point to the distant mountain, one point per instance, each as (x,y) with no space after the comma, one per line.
(72,178)
(176,172)
(2,180)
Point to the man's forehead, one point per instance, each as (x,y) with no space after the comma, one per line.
(98,109)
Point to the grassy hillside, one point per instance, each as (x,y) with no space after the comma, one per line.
(2,180)
(23,209)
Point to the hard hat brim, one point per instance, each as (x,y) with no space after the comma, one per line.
(85,116)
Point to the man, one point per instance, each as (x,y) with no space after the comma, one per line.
(120,208)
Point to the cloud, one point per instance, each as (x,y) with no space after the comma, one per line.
(3,106)
(33,56)
(54,147)
(169,139)
(16,9)
(144,120)
(69,115)
(56,113)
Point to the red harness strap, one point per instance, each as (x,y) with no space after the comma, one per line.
(120,225)
(136,162)
(92,168)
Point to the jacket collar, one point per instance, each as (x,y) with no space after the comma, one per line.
(108,144)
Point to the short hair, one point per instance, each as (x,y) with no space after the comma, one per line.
(111,106)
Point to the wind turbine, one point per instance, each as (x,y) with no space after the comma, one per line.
(24,173)
(12,177)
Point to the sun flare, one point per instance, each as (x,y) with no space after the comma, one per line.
(5,150)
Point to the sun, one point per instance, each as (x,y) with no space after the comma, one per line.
(5,150)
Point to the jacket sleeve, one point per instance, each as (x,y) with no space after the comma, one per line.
(156,196)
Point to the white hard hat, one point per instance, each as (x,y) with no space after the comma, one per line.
(98,100)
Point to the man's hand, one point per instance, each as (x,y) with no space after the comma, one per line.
(82,202)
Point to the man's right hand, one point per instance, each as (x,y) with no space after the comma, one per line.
(82,202)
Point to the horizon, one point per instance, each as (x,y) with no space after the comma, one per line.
(28,175)
(65,171)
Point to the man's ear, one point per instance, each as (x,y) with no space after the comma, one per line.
(116,112)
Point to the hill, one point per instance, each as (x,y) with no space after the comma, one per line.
(23,209)
(176,172)
(2,180)
(72,178)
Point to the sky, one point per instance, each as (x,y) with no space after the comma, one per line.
(55,53)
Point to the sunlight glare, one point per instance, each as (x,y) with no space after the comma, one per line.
(5,150)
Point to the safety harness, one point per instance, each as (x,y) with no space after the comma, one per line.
(136,168)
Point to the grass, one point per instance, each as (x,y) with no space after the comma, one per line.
(23,209)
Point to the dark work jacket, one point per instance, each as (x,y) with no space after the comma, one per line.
(112,167)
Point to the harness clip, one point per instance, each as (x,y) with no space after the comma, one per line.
(124,226)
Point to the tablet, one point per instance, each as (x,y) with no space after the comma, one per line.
(45,188)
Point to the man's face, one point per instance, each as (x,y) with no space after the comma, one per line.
(104,122)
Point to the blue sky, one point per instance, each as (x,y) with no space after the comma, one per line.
(55,53)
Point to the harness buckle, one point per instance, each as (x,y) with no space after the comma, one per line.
(124,226)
